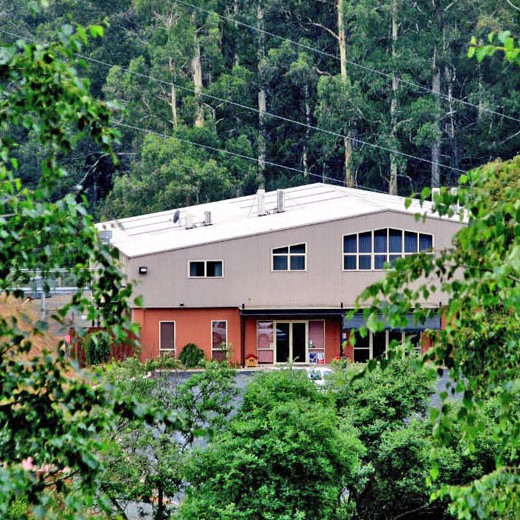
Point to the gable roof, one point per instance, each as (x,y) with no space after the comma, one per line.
(234,218)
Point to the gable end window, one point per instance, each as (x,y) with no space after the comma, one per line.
(370,250)
(290,258)
(205,269)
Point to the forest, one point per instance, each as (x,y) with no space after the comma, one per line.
(213,99)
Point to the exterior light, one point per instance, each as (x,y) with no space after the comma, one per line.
(143,269)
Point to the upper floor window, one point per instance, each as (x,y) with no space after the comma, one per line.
(371,249)
(206,269)
(289,258)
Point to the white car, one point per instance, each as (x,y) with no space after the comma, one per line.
(319,374)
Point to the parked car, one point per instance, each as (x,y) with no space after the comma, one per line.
(319,374)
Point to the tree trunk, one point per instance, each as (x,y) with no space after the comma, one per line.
(236,56)
(449,76)
(161,513)
(436,144)
(262,97)
(342,43)
(305,158)
(196,73)
(392,185)
(173,93)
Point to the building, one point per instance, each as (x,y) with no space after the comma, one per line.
(271,274)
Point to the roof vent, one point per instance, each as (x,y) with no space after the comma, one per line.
(280,201)
(261,202)
(207,218)
(189,221)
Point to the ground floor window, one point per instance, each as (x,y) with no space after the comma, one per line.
(375,344)
(167,338)
(219,341)
(301,341)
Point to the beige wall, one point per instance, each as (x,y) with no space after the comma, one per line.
(248,278)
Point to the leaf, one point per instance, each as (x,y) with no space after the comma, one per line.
(96,31)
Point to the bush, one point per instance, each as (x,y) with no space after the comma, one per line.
(191,355)
(284,455)
(164,362)
(96,347)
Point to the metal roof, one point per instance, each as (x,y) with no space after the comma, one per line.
(238,217)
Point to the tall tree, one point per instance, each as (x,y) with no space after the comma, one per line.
(53,421)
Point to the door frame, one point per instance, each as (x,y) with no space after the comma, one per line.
(291,350)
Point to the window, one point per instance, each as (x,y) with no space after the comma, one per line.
(375,344)
(167,337)
(370,250)
(205,269)
(289,258)
(219,342)
(265,341)
(316,341)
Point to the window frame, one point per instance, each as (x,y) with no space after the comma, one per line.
(373,254)
(288,255)
(205,262)
(387,332)
(174,349)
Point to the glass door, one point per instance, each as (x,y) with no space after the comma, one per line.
(291,341)
(299,342)
(283,351)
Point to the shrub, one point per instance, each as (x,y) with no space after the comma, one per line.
(164,362)
(96,347)
(191,355)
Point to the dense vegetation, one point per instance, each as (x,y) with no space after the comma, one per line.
(322,88)
(357,448)
(53,423)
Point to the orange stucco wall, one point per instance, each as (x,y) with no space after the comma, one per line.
(191,326)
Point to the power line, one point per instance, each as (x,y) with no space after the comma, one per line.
(228,152)
(276,116)
(269,114)
(353,63)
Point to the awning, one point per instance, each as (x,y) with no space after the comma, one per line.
(357,321)
(294,313)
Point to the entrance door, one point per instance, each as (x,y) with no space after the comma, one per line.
(291,342)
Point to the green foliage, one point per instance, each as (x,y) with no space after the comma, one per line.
(149,465)
(50,419)
(96,347)
(284,455)
(382,399)
(191,355)
(400,470)
(506,44)
(480,342)
(146,61)
(164,362)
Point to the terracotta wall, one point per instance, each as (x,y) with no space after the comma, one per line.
(191,326)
